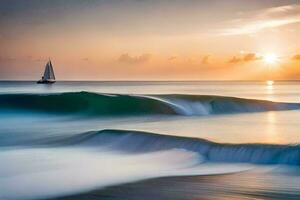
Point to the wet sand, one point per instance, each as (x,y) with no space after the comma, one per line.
(239,186)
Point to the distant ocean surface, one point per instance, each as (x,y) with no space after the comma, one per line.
(71,138)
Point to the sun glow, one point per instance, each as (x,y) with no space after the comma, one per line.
(270,82)
(270,58)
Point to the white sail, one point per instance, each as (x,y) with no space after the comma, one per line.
(52,76)
(49,76)
(49,73)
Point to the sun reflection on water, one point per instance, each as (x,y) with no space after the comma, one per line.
(271,129)
(270,89)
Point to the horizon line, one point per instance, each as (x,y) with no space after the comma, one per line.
(210,80)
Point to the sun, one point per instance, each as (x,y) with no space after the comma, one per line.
(270,82)
(270,58)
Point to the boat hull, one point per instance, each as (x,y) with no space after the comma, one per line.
(46,82)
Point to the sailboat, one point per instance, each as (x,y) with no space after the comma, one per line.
(49,76)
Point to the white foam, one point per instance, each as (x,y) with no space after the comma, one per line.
(190,108)
(42,173)
(184,107)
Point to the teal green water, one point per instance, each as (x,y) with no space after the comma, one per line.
(72,137)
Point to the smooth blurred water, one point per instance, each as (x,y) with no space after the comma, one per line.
(262,127)
(286,91)
(64,170)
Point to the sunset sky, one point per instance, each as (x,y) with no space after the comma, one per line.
(150,40)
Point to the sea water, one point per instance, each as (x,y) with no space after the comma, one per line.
(73,137)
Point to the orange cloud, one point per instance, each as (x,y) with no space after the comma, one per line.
(126,58)
(205,59)
(296,57)
(172,58)
(235,59)
(22,59)
(245,58)
(251,57)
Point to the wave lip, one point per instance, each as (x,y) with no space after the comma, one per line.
(95,104)
(207,104)
(140,142)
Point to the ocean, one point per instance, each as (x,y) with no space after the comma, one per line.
(150,140)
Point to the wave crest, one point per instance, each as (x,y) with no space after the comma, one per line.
(139,142)
(115,104)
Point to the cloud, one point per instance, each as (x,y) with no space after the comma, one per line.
(235,59)
(260,20)
(172,58)
(126,58)
(296,57)
(251,57)
(23,59)
(248,57)
(5,59)
(205,59)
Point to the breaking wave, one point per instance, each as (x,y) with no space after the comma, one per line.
(95,104)
(141,142)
